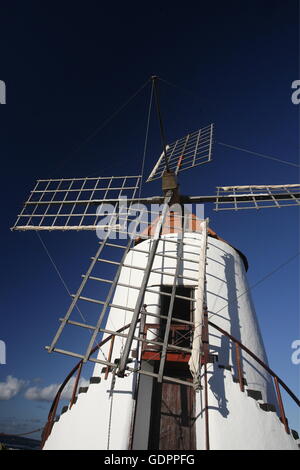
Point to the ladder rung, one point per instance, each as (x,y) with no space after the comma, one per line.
(165,255)
(120,284)
(114,366)
(89,299)
(136,338)
(93,278)
(115,245)
(106,261)
(156,271)
(102,302)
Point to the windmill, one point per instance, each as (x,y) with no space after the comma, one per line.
(165,375)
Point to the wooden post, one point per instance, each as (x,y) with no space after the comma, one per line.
(76,385)
(281,407)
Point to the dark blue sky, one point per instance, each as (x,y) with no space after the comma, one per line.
(67,68)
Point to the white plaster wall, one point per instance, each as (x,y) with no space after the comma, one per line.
(95,422)
(244,425)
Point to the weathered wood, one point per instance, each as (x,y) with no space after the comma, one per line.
(177,429)
(173,414)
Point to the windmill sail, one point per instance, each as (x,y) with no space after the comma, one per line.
(73,203)
(257,196)
(192,150)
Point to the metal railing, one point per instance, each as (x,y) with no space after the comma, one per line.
(277,380)
(179,336)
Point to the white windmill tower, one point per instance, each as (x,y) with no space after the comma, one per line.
(166,376)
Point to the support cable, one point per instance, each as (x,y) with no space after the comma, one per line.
(146,140)
(161,127)
(259,154)
(64,283)
(22,434)
(257,283)
(103,125)
(58,273)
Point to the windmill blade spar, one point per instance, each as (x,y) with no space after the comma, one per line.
(257,196)
(79,203)
(250,197)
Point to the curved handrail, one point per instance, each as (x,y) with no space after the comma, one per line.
(52,412)
(277,380)
(267,368)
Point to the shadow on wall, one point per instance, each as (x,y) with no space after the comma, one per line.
(235,331)
(216,381)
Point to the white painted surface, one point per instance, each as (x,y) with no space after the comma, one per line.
(236,421)
(242,424)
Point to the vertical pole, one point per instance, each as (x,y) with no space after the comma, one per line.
(206,407)
(111,347)
(239,366)
(197,346)
(205,344)
(161,127)
(143,331)
(281,407)
(76,384)
(205,360)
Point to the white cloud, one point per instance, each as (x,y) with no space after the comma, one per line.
(11,387)
(48,393)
